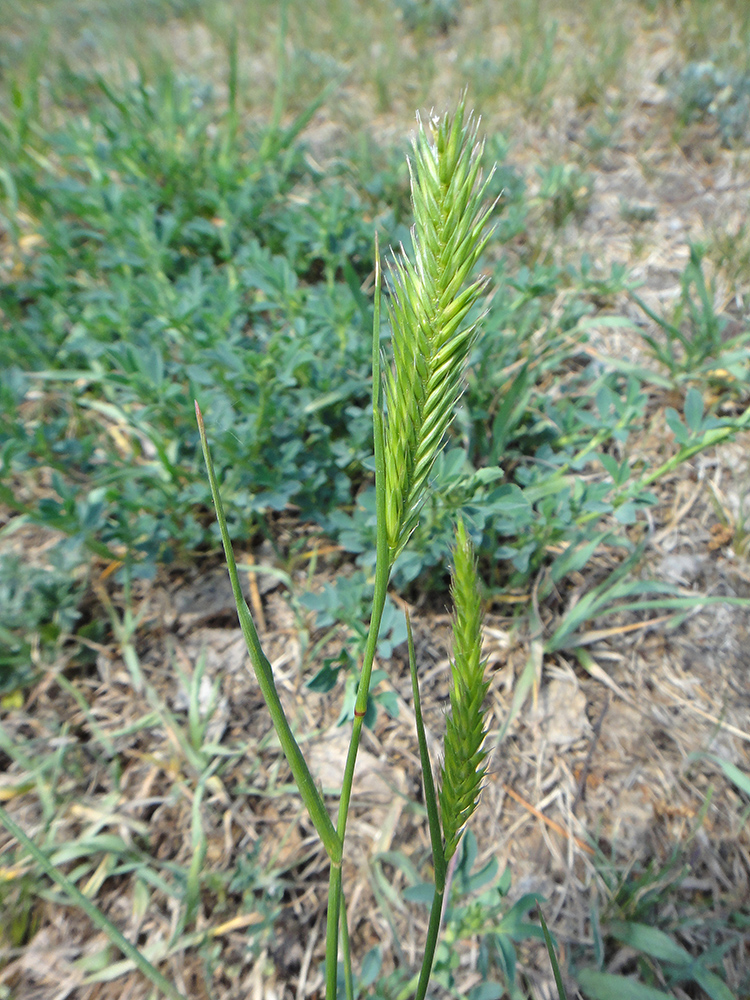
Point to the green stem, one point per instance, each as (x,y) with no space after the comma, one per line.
(433,932)
(360,706)
(92,911)
(438,853)
(332,931)
(709,439)
(433,818)
(264,674)
(345,951)
(383,563)
(382,575)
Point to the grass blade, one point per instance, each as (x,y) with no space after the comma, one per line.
(552,957)
(710,983)
(92,911)
(264,674)
(606,986)
(651,941)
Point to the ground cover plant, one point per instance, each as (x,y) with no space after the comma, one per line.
(163,246)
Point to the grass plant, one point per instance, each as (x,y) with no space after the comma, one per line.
(412,407)
(155,249)
(632,919)
(689,342)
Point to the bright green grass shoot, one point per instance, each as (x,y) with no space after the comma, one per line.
(431,338)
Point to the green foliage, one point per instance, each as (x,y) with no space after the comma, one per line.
(19,902)
(655,915)
(478,911)
(39,608)
(659,950)
(549,943)
(411,410)
(600,66)
(456,487)
(695,345)
(103,843)
(178,261)
(201,265)
(346,601)
(536,501)
(526,70)
(160,253)
(565,190)
(676,962)
(429,15)
(719,93)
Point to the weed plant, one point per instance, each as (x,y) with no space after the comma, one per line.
(689,343)
(39,609)
(172,282)
(635,919)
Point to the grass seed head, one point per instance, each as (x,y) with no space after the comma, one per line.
(428,312)
(464,765)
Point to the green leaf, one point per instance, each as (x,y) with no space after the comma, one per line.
(677,427)
(399,861)
(92,911)
(605,986)
(371,964)
(264,673)
(487,991)
(504,883)
(511,501)
(651,941)
(325,679)
(575,557)
(733,773)
(716,988)
(513,923)
(469,851)
(552,957)
(421,893)
(389,702)
(694,409)
(507,955)
(485,874)
(611,464)
(626,513)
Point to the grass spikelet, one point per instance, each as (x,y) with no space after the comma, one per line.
(428,312)
(464,768)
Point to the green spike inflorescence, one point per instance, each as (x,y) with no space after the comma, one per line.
(428,313)
(464,766)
